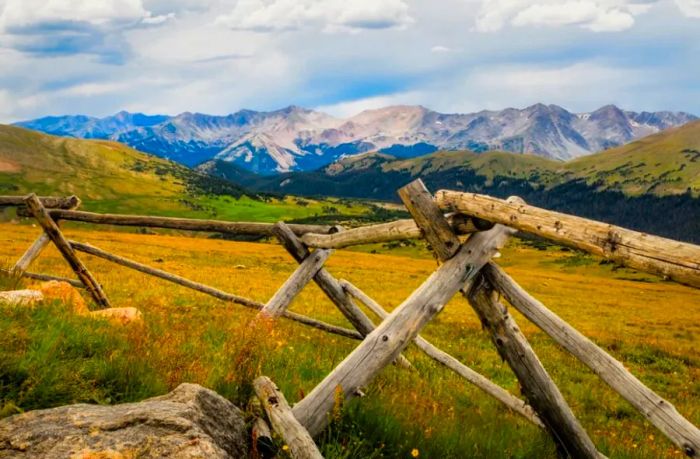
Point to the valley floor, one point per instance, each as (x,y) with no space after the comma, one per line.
(49,357)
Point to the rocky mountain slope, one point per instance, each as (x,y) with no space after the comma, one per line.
(298,139)
(652,184)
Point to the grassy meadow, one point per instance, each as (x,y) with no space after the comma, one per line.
(50,357)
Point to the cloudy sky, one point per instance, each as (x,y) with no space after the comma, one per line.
(97,57)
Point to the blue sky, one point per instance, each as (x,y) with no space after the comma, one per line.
(97,57)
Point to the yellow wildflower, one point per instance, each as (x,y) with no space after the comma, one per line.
(415,452)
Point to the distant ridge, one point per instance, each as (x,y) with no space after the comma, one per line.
(299,139)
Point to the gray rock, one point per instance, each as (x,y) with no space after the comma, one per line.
(189,422)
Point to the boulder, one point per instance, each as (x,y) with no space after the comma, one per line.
(21,297)
(65,293)
(121,316)
(189,422)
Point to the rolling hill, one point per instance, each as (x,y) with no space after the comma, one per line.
(111,177)
(299,139)
(652,184)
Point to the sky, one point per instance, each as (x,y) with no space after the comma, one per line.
(97,57)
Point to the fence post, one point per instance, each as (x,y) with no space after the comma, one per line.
(482,382)
(544,396)
(390,337)
(54,233)
(39,245)
(301,445)
(295,283)
(330,285)
(539,389)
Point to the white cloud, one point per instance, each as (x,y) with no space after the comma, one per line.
(690,8)
(353,107)
(595,15)
(22,14)
(328,15)
(440,49)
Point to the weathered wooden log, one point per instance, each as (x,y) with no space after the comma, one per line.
(49,202)
(330,286)
(324,280)
(509,400)
(301,445)
(539,389)
(437,231)
(385,343)
(46,277)
(36,248)
(392,231)
(63,246)
(216,293)
(185,224)
(658,411)
(295,283)
(263,444)
(676,260)
(30,255)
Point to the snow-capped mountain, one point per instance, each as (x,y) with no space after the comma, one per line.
(296,138)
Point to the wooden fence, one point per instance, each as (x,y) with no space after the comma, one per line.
(465,268)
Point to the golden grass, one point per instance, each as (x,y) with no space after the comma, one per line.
(652,326)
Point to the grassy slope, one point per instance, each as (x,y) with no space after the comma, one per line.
(48,358)
(112,177)
(662,164)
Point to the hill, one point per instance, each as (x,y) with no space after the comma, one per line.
(299,139)
(651,185)
(111,177)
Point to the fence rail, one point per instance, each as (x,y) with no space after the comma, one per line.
(465,266)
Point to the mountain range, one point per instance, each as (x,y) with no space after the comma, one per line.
(299,139)
(652,184)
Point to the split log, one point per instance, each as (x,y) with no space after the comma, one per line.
(301,445)
(676,260)
(30,255)
(658,411)
(392,231)
(392,336)
(36,248)
(509,400)
(539,389)
(324,280)
(185,224)
(330,285)
(263,444)
(63,246)
(216,293)
(49,202)
(430,219)
(296,282)
(46,277)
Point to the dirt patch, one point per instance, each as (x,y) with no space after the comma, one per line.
(7,166)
